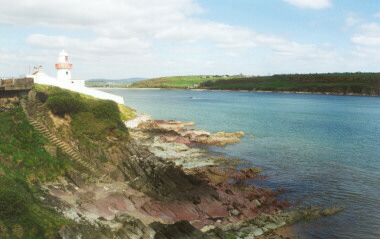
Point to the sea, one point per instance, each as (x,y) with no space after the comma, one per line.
(324,150)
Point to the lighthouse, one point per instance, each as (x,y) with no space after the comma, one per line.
(63,67)
(64,80)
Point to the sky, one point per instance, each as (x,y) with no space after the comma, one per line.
(118,39)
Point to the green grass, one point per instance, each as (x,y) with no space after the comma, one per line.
(230,236)
(92,119)
(126,113)
(176,82)
(21,147)
(25,164)
(340,83)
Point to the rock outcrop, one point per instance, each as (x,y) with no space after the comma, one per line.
(176,132)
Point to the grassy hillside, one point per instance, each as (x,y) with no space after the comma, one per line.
(177,82)
(111,83)
(24,163)
(337,83)
(92,118)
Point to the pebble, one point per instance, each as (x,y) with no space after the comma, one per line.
(257,232)
(271,226)
(258,204)
(235,212)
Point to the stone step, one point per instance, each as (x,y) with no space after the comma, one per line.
(71,153)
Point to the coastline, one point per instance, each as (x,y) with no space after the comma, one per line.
(174,142)
(171,137)
(258,91)
(171,183)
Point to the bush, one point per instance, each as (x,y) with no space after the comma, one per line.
(42,96)
(106,109)
(13,204)
(92,119)
(65,103)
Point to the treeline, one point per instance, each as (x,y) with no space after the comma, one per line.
(333,83)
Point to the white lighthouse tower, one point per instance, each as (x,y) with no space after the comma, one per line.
(64,80)
(63,67)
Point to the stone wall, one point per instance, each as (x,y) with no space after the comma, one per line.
(12,90)
(23,87)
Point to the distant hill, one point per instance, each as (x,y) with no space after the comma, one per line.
(111,83)
(179,82)
(334,83)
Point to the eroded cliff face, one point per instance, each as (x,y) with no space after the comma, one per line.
(144,188)
(147,183)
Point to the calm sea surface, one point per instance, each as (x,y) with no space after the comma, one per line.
(324,150)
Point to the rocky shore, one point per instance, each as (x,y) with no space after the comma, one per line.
(159,186)
(246,211)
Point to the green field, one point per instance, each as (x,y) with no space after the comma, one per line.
(335,83)
(178,82)
(107,83)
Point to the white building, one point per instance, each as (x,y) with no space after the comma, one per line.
(64,80)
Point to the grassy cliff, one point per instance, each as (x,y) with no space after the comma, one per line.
(335,83)
(177,82)
(91,118)
(24,163)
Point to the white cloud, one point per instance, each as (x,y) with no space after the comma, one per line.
(101,45)
(366,40)
(377,15)
(369,35)
(116,22)
(366,53)
(313,4)
(150,38)
(352,20)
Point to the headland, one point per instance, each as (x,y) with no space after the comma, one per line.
(95,169)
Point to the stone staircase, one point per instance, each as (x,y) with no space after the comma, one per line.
(75,156)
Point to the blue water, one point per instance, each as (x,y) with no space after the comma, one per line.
(324,150)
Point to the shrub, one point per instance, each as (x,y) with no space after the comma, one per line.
(42,96)
(106,109)
(13,203)
(65,103)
